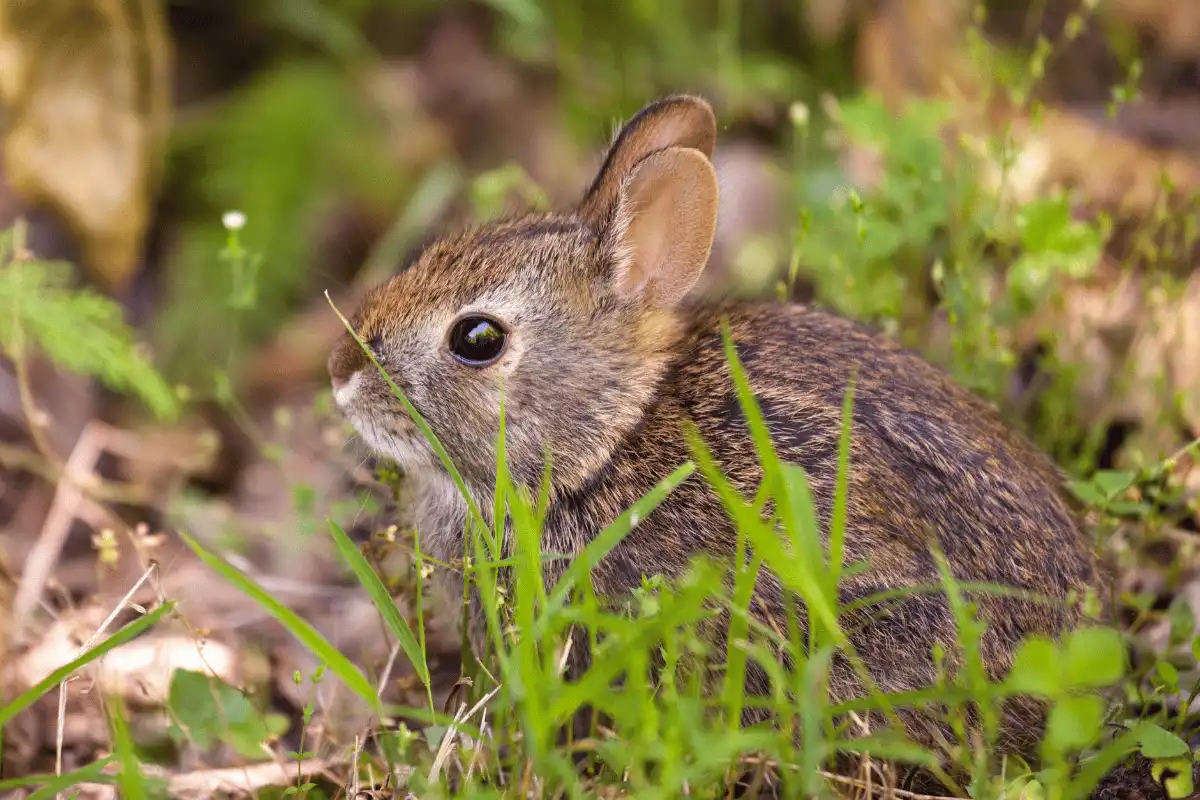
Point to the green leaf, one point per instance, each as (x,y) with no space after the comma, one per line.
(211,711)
(1074,723)
(53,784)
(383,601)
(317,644)
(1179,785)
(1113,482)
(1183,620)
(1157,742)
(1095,657)
(1088,492)
(1035,669)
(1166,676)
(190,699)
(126,634)
(130,780)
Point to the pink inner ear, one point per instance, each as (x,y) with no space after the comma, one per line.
(647,238)
(671,207)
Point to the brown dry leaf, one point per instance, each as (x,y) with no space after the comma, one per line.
(908,47)
(86,95)
(917,48)
(1165,360)
(827,19)
(1105,166)
(1176,24)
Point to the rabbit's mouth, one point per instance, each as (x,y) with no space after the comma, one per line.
(392,434)
(395,437)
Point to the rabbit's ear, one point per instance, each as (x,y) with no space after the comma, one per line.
(677,121)
(662,226)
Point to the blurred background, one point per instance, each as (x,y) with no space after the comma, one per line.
(1007,186)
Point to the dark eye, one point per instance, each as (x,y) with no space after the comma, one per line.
(477,341)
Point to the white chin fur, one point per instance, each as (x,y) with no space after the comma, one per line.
(410,452)
(344,397)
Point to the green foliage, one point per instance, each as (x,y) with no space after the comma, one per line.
(930,225)
(673,731)
(207,711)
(280,183)
(51,785)
(930,240)
(79,329)
(612,56)
(132,783)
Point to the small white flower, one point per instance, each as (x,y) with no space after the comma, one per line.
(798,112)
(233,220)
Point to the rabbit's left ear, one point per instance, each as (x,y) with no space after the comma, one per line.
(677,121)
(653,204)
(661,231)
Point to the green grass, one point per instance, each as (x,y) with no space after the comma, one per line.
(668,723)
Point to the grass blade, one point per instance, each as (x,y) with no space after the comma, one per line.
(309,636)
(382,599)
(617,530)
(126,634)
(133,786)
(837,522)
(53,784)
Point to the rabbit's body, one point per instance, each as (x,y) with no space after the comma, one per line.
(602,362)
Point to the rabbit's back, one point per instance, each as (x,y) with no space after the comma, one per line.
(929,464)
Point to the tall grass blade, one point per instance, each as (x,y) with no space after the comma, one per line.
(383,601)
(126,634)
(50,785)
(309,636)
(130,780)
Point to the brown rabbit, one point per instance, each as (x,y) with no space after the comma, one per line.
(582,316)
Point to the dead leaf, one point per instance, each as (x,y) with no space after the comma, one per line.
(1177,25)
(827,19)
(85,86)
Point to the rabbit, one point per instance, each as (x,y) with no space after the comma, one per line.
(584,319)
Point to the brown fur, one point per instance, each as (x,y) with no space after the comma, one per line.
(605,377)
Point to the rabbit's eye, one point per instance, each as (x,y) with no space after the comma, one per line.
(477,340)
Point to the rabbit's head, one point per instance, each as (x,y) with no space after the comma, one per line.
(569,317)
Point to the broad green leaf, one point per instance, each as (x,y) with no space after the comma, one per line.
(1035,668)
(1095,657)
(1174,775)
(1166,676)
(1113,482)
(1088,492)
(1157,742)
(1074,723)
